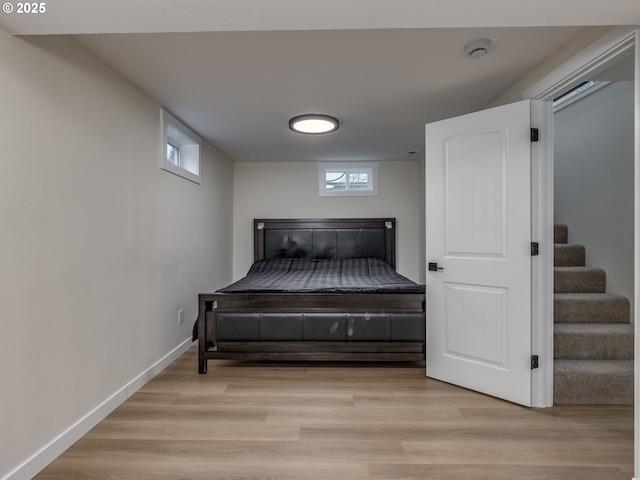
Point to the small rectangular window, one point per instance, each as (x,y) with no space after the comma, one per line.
(335,180)
(348,179)
(181,148)
(359,181)
(577,93)
(173,154)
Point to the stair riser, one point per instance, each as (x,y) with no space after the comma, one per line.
(607,309)
(582,388)
(593,347)
(579,280)
(560,234)
(569,256)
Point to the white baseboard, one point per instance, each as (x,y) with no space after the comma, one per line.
(38,461)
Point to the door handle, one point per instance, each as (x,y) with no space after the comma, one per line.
(433,267)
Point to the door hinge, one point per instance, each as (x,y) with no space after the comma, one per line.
(535,249)
(534,361)
(535,134)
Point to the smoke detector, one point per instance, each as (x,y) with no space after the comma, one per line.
(478,48)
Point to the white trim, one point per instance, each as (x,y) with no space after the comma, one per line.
(542,265)
(636,289)
(47,454)
(596,57)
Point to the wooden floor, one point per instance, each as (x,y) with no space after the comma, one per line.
(324,421)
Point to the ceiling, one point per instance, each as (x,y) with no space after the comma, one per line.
(237,71)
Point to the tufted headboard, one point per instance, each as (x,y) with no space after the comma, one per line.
(326,238)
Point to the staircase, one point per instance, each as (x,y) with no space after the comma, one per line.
(593,336)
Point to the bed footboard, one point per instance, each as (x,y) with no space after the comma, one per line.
(312,327)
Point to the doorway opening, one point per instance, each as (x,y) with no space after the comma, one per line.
(608,50)
(594,264)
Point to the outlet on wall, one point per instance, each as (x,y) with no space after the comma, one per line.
(180,316)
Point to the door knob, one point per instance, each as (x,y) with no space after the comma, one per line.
(433,267)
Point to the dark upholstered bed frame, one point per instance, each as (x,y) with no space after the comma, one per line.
(269,326)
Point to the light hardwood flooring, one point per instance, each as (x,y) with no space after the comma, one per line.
(341,421)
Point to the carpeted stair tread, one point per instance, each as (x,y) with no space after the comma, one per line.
(593,341)
(568,255)
(579,280)
(591,308)
(593,382)
(560,233)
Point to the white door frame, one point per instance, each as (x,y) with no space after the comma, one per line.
(599,55)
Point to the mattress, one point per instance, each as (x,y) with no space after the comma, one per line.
(301,275)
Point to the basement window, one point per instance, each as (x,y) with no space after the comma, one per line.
(348,179)
(576,93)
(173,154)
(181,148)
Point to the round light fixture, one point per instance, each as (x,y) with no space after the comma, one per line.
(313,124)
(478,48)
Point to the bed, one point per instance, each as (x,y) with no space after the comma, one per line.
(318,290)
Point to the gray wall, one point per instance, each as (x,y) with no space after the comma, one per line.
(594,175)
(99,246)
(290,190)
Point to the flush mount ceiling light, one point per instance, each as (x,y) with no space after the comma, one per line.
(478,48)
(313,124)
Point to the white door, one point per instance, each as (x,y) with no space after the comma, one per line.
(478,220)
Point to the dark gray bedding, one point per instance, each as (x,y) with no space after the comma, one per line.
(296,275)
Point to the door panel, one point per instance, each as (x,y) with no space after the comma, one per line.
(481,311)
(475,194)
(478,177)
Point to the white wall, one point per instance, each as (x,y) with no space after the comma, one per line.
(99,246)
(594,180)
(290,190)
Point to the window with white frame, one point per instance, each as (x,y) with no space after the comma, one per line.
(577,93)
(348,179)
(181,148)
